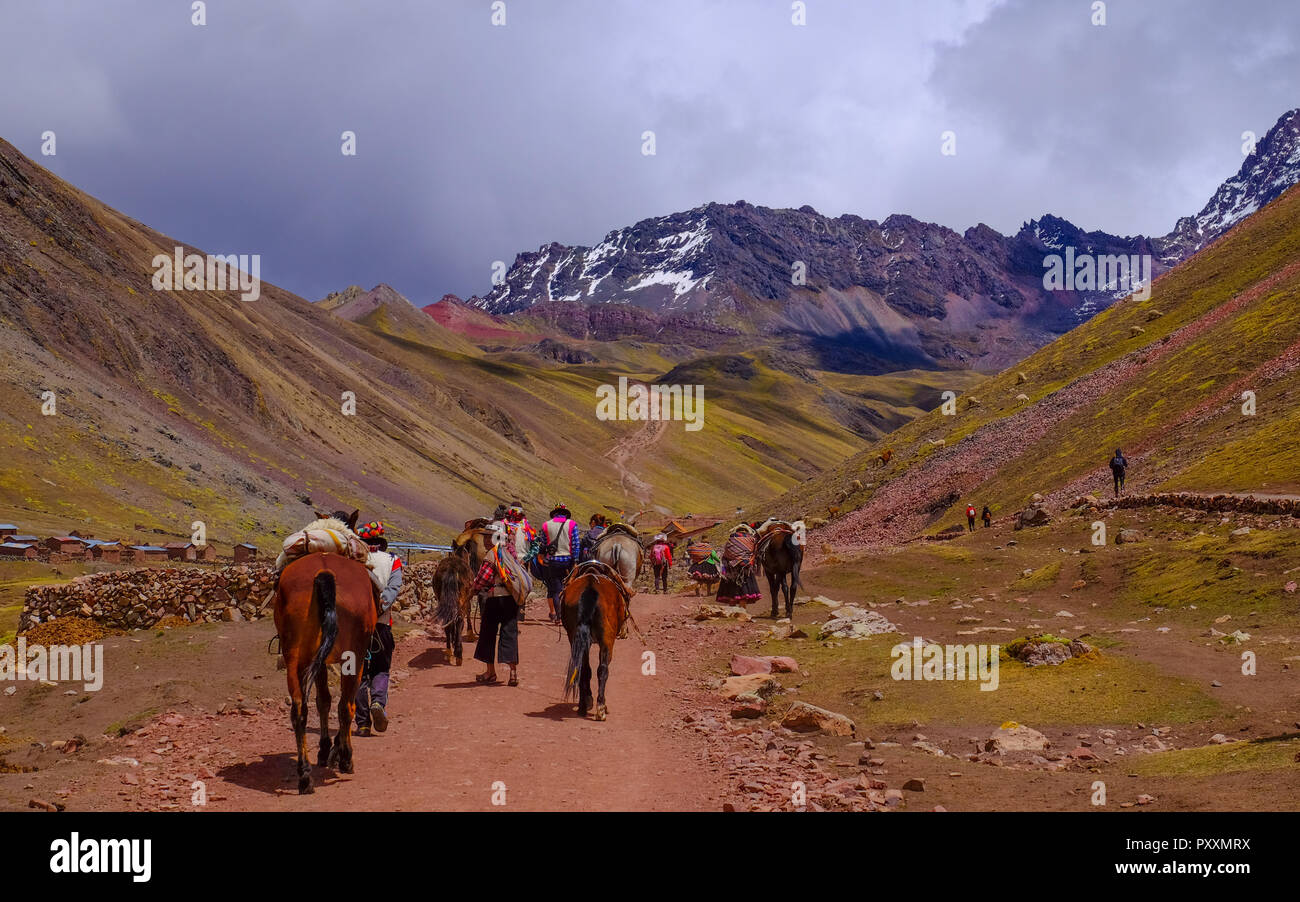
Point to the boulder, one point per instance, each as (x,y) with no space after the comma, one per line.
(760,684)
(1128,537)
(748,706)
(1014,737)
(743,665)
(1034,515)
(805,718)
(851,622)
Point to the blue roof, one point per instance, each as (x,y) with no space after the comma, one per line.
(148,548)
(7,526)
(15,545)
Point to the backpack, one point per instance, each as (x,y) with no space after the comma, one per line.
(660,553)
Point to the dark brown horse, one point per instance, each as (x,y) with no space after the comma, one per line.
(781,556)
(593,607)
(452,579)
(324,614)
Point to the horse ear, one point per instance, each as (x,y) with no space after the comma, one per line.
(352,519)
(320,516)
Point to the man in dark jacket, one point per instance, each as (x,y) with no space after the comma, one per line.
(1118,467)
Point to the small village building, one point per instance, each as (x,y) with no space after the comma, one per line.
(17,550)
(205,553)
(7,531)
(245,553)
(107,552)
(148,554)
(180,551)
(24,540)
(69,545)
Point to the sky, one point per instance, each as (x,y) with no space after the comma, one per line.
(476,141)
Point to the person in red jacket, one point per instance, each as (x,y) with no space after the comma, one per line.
(661,560)
(970,517)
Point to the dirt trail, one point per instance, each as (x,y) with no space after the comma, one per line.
(627,449)
(449,741)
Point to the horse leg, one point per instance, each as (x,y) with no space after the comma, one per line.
(342,752)
(789,594)
(584,690)
(298,717)
(602,674)
(457,648)
(323,708)
(773,588)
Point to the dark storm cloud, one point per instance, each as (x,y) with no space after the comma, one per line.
(476,142)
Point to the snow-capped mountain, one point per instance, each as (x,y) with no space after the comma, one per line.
(1273,167)
(908,293)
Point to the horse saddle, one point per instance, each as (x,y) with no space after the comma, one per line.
(600,568)
(616,528)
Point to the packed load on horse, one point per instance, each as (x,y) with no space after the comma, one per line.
(739,582)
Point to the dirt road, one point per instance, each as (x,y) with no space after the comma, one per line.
(451,744)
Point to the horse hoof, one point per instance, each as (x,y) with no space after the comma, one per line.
(304,786)
(333,756)
(602,712)
(456,660)
(346,767)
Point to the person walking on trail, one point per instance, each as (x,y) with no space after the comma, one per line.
(661,561)
(372,691)
(987,517)
(498,635)
(560,548)
(970,518)
(1118,469)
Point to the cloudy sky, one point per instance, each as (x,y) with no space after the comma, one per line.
(476,141)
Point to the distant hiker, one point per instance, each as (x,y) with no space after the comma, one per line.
(1118,469)
(372,692)
(661,560)
(987,517)
(595,530)
(498,637)
(560,546)
(970,517)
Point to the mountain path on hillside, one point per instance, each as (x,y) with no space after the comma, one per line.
(625,452)
(897,511)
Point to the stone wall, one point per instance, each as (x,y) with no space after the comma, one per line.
(139,598)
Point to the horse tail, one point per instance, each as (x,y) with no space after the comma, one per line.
(580,644)
(448,598)
(322,594)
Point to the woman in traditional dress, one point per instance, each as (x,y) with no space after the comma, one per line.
(739,584)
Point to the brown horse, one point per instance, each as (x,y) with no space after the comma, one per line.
(593,606)
(472,546)
(452,579)
(884,457)
(324,614)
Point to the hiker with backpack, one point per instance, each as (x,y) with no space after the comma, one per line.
(1118,469)
(970,517)
(372,691)
(560,547)
(987,517)
(661,560)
